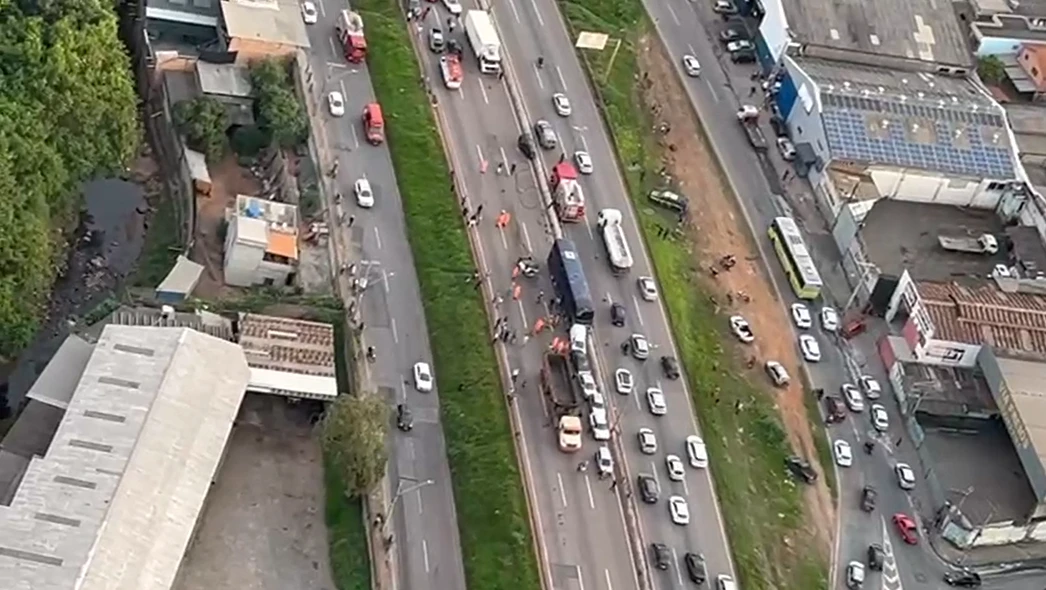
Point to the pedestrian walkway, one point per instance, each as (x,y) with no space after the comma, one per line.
(1024,556)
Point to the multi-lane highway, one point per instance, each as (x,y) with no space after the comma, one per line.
(582,518)
(424,523)
(692,28)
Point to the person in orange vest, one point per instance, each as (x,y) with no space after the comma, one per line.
(516,291)
(539,325)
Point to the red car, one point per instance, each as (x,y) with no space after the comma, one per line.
(907,528)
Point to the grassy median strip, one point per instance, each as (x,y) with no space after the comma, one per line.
(492,511)
(762,507)
(347,535)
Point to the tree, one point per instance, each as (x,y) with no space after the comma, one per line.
(991,69)
(204,121)
(68,113)
(353,438)
(249,141)
(277,107)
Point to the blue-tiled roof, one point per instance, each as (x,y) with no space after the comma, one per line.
(963,142)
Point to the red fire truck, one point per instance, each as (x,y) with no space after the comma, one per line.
(350,34)
(567,195)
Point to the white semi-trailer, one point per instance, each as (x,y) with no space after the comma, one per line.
(483,38)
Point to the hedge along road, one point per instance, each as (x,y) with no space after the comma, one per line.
(496,540)
(761,507)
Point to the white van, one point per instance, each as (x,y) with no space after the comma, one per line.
(725,582)
(579,338)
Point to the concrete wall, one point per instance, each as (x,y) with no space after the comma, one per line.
(929,187)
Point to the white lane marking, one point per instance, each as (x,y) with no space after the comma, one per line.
(580,580)
(341,85)
(679,570)
(461,92)
(395,334)
(384,275)
(410,443)
(421,507)
(653,471)
(504,160)
(334,49)
(523,315)
(537,74)
(562,80)
(479,152)
(672,12)
(562,494)
(515,11)
(686,488)
(591,500)
(606,574)
(584,144)
(504,240)
(483,91)
(537,13)
(635,396)
(526,238)
(355,138)
(639,314)
(425,553)
(377,236)
(591,232)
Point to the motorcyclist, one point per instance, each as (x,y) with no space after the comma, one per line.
(541,61)
(869,446)
(370,353)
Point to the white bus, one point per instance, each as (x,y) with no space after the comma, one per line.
(795,258)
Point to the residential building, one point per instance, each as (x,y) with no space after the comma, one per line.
(256,29)
(261,243)
(229,84)
(1001,27)
(289,357)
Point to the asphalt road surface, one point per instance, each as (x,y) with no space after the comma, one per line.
(424,523)
(692,28)
(581,531)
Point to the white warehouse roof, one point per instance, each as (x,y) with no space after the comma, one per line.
(113,504)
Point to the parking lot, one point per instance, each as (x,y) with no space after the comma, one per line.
(263,526)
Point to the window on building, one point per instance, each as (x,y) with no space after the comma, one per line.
(996,186)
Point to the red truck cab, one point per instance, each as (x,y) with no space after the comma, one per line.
(374,123)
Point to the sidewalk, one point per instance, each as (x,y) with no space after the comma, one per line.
(991,560)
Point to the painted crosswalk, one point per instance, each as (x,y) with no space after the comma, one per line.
(891,577)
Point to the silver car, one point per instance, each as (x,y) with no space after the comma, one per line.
(647,441)
(546,135)
(692,66)
(561,104)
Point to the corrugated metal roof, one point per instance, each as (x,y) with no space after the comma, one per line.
(114,503)
(1009,321)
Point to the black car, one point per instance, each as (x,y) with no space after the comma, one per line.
(617,315)
(732,34)
(695,567)
(876,554)
(404,419)
(745,56)
(648,488)
(963,579)
(868,498)
(526,145)
(670,367)
(662,556)
(801,469)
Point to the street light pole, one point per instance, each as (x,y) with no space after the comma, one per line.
(400,493)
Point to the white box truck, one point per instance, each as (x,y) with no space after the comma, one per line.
(483,38)
(618,252)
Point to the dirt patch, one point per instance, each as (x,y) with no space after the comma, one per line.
(721,230)
(228,179)
(263,527)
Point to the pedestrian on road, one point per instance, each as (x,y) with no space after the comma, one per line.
(899,441)
(479,210)
(613,485)
(582,466)
(751,91)
(352,220)
(515,375)
(512,170)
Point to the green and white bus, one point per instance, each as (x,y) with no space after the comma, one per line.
(795,258)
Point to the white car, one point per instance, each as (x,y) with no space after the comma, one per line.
(647,288)
(453,6)
(561,104)
(678,510)
(810,348)
(584,162)
(604,461)
(364,194)
(696,452)
(588,384)
(623,381)
(597,401)
(854,575)
(336,104)
(597,423)
(640,347)
(309,13)
(422,377)
(742,45)
(647,441)
(829,319)
(871,387)
(801,316)
(692,66)
(674,465)
(656,400)
(880,419)
(844,456)
(852,397)
(739,326)
(905,476)
(777,373)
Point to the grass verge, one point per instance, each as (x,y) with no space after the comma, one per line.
(492,511)
(762,507)
(161,244)
(347,535)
